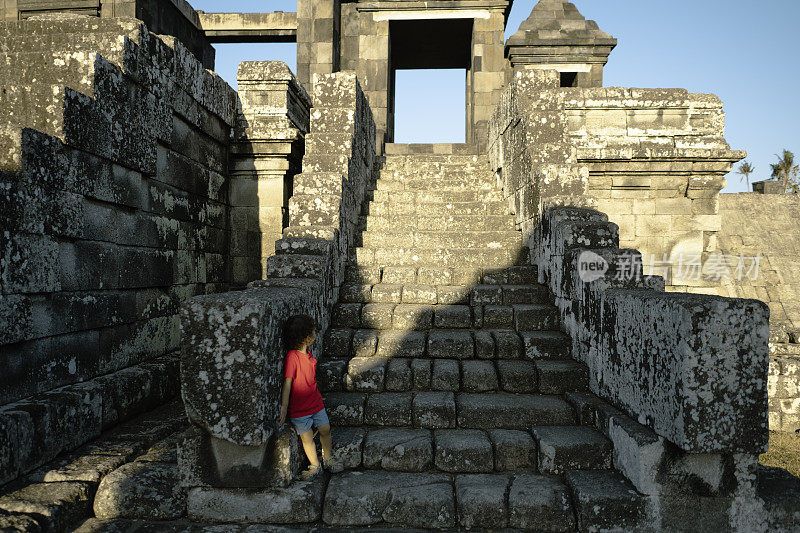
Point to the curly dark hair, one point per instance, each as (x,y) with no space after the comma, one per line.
(297,329)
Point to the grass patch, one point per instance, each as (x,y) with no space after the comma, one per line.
(784,452)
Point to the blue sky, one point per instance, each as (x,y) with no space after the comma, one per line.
(743,51)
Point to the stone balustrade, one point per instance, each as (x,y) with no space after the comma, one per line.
(232,351)
(686,374)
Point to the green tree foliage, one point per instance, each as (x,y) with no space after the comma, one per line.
(787,172)
(745,169)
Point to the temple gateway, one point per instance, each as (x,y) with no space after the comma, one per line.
(557,325)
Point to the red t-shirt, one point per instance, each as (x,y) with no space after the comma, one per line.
(305,398)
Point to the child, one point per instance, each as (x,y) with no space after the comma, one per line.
(301,397)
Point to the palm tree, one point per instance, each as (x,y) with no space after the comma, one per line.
(745,169)
(786,171)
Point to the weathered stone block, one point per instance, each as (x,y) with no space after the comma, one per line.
(331,375)
(497,316)
(463,450)
(412,317)
(347,444)
(421,370)
(510,411)
(365,342)
(434,410)
(540,502)
(481,500)
(399,499)
(399,375)
(451,344)
(388,409)
(453,316)
(557,377)
(56,506)
(478,376)
(408,450)
(366,374)
(377,316)
(345,409)
(509,344)
(484,344)
(605,500)
(401,344)
(517,376)
(513,449)
(693,401)
(299,503)
(231,361)
(564,448)
(446,375)
(142,490)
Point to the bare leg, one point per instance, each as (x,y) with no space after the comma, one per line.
(310,448)
(325,440)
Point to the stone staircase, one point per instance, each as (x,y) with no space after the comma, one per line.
(445,373)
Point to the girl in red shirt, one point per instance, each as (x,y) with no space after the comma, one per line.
(301,398)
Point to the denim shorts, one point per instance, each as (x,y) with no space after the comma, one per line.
(303,423)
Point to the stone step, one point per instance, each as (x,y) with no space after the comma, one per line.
(403,374)
(400,208)
(405,290)
(433,161)
(443,183)
(446,450)
(343,343)
(606,501)
(101,477)
(434,197)
(414,316)
(423,150)
(441,501)
(562,448)
(448,410)
(551,450)
(442,222)
(513,275)
(444,257)
(455,171)
(492,240)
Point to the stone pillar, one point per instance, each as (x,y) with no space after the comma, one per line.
(374,71)
(318,30)
(269,142)
(8,10)
(486,76)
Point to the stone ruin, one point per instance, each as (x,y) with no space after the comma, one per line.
(505,338)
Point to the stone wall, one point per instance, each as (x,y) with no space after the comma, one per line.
(167,17)
(318,30)
(231,344)
(653,159)
(114,206)
(657,160)
(765,226)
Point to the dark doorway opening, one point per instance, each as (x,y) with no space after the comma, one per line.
(435,44)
